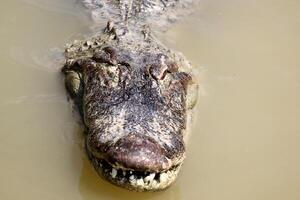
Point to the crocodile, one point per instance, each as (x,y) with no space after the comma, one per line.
(135,96)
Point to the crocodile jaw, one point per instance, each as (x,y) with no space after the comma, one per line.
(135,180)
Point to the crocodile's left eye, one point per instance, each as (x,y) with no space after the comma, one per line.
(106,55)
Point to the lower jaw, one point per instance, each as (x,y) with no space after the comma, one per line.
(134,180)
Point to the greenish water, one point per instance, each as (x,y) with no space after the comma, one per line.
(245,138)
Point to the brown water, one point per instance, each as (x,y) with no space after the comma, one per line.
(246,136)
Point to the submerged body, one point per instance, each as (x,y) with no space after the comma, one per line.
(135,97)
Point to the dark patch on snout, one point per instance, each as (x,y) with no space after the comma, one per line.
(138,152)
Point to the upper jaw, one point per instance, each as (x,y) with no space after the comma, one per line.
(135,162)
(140,153)
(135,152)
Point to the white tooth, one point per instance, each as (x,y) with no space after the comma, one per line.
(132,180)
(124,173)
(169,173)
(140,182)
(150,177)
(163,177)
(113,173)
(154,183)
(89,43)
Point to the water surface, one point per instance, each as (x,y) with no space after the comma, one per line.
(245,138)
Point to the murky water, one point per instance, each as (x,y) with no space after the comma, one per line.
(245,140)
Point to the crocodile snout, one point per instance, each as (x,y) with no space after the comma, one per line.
(138,152)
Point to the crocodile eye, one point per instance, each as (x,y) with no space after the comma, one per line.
(106,55)
(158,71)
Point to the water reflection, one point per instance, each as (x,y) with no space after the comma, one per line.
(245,144)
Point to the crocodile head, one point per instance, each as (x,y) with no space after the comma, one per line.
(134,98)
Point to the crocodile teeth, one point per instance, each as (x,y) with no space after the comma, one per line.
(140,181)
(113,173)
(137,179)
(153,183)
(132,180)
(149,178)
(163,177)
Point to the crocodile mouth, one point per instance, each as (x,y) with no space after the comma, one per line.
(133,179)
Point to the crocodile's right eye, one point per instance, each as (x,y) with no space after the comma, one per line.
(159,71)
